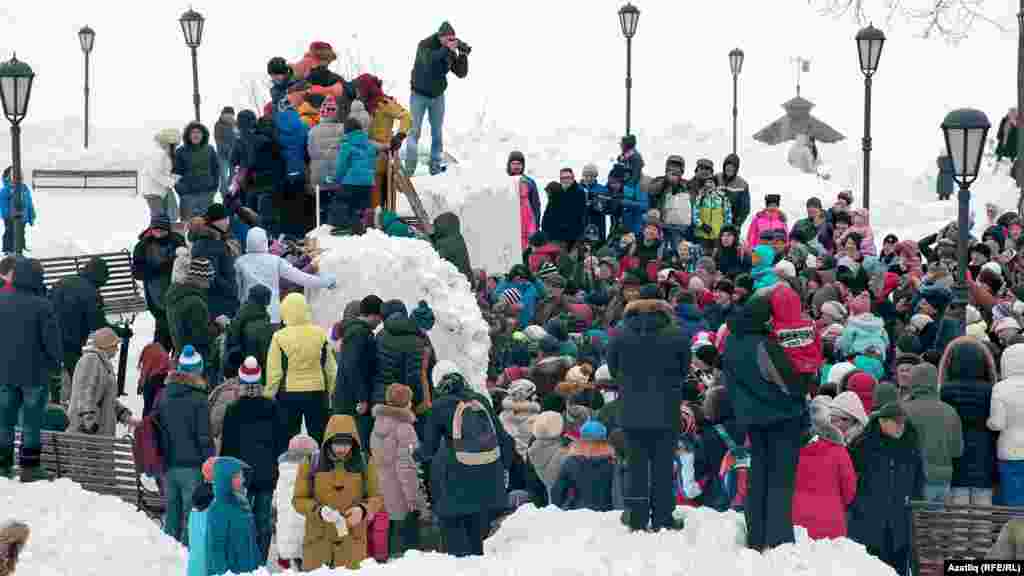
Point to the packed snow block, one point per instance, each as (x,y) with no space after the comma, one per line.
(487,205)
(80,533)
(408,270)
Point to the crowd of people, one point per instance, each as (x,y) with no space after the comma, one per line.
(662,343)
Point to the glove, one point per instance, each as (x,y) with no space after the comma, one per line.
(811,262)
(329,515)
(396,141)
(706,228)
(332,281)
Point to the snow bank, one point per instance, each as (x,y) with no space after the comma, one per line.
(78,533)
(410,271)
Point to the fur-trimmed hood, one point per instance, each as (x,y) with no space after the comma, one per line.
(648,316)
(548,425)
(394,412)
(592,449)
(525,407)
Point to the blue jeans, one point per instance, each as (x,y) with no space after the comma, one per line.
(179,483)
(261,502)
(28,402)
(936,491)
(422,105)
(1011,482)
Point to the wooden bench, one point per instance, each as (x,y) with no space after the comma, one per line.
(101,179)
(939,532)
(100,464)
(121,294)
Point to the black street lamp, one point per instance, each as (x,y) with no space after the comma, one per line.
(15,90)
(86,37)
(192,27)
(736,66)
(869,49)
(965,131)
(629,15)
(1019,172)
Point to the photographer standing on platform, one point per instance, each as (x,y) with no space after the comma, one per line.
(436,55)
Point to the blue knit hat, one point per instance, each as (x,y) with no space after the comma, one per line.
(190,361)
(593,430)
(423,316)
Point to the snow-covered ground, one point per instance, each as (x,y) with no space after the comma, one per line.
(77,533)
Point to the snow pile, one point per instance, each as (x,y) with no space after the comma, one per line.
(78,533)
(408,270)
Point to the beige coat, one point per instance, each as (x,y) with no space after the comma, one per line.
(94,408)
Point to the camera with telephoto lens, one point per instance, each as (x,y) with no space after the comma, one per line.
(464,48)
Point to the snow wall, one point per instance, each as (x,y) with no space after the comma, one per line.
(410,271)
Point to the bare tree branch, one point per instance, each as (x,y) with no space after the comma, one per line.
(950,20)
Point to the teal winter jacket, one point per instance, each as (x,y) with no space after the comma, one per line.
(231,528)
(357,160)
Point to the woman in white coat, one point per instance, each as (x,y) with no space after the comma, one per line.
(291,526)
(1006,416)
(159,183)
(259,266)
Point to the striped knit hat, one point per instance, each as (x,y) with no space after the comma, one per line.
(200,270)
(511,297)
(547,270)
(190,361)
(249,376)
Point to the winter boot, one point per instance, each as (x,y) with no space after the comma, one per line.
(394,539)
(7,463)
(30,463)
(637,514)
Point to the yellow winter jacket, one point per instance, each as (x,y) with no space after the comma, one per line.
(383,122)
(299,358)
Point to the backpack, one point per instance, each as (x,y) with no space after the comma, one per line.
(146,451)
(474,437)
(734,470)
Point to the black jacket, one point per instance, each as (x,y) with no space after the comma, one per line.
(32,343)
(248,335)
(255,433)
(79,306)
(357,367)
(209,243)
(585,482)
(433,62)
(184,416)
(152,261)
(972,399)
(399,359)
(650,360)
(563,215)
(763,386)
(889,471)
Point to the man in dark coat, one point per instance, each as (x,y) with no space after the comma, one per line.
(197,164)
(563,215)
(464,496)
(399,357)
(450,244)
(259,160)
(890,470)
(353,390)
(249,333)
(79,308)
(769,403)
(31,351)
(436,56)
(185,439)
(650,360)
(210,241)
(735,188)
(152,261)
(255,432)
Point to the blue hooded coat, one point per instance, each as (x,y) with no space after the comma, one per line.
(231,530)
(763,272)
(357,160)
(292,133)
(6,208)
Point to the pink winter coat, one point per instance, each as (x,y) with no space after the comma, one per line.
(764,221)
(867,243)
(391,446)
(825,485)
(527,222)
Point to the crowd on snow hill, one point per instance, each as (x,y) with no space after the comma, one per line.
(661,344)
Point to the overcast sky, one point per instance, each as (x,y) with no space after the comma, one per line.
(537,65)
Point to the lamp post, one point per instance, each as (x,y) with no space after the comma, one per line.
(965,131)
(736,66)
(1019,172)
(629,15)
(869,49)
(15,90)
(86,36)
(192,27)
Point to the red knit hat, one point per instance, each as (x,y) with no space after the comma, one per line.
(863,385)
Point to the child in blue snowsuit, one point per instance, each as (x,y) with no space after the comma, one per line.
(202,497)
(231,529)
(7,210)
